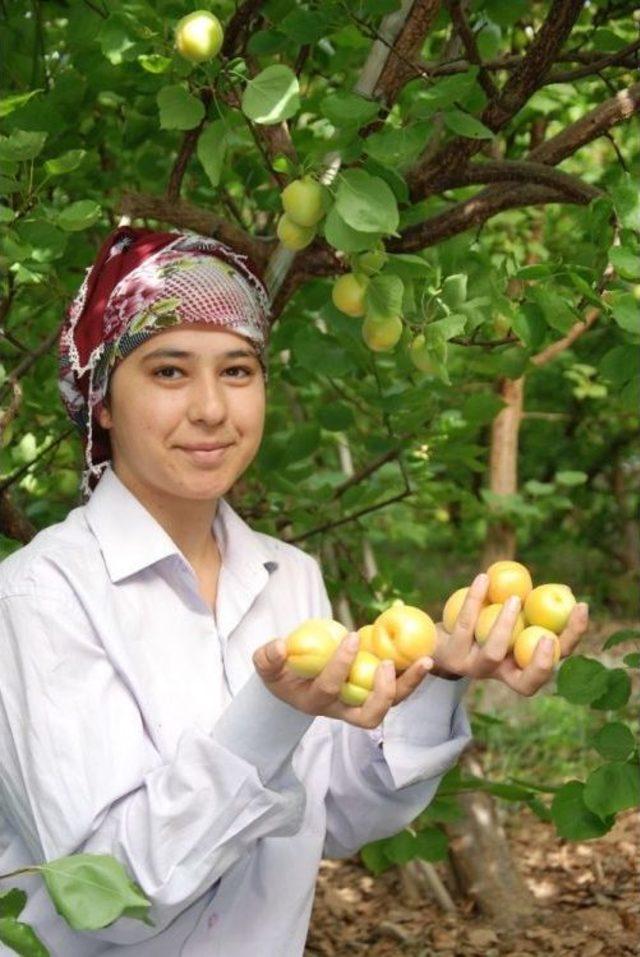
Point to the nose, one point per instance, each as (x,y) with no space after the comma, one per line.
(207,400)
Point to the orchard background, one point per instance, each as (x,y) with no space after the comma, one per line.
(492,149)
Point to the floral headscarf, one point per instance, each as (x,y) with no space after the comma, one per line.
(141,283)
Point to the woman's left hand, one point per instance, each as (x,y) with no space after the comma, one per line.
(459,655)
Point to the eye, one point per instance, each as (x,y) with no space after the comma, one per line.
(166,369)
(246,371)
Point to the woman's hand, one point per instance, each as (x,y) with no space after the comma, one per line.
(459,654)
(321,695)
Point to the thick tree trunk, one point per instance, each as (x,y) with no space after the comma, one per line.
(500,542)
(481,861)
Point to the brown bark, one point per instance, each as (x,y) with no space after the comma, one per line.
(399,69)
(481,859)
(500,542)
(13,523)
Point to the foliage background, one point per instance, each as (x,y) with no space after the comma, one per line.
(97,107)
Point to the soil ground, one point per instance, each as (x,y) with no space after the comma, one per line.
(588,893)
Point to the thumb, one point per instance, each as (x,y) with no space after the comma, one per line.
(269,658)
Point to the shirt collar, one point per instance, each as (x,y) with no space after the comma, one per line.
(131,539)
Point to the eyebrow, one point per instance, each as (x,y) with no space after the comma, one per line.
(182,354)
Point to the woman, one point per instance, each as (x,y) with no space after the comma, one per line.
(146,708)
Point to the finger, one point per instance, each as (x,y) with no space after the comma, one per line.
(498,641)
(409,680)
(269,659)
(462,638)
(575,628)
(539,669)
(326,686)
(381,698)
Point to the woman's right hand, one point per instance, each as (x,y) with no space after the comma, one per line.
(321,695)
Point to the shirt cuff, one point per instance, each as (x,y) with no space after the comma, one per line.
(261,728)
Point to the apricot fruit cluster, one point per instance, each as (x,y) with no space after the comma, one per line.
(402,633)
(545,609)
(303,202)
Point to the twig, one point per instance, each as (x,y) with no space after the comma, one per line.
(351,518)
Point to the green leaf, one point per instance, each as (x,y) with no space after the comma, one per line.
(616,693)
(619,365)
(12,902)
(366,203)
(626,311)
(10,103)
(573,819)
(625,262)
(401,847)
(571,478)
(632,660)
(21,938)
(613,787)
(304,26)
(336,417)
(581,680)
(179,109)
(481,409)
(618,637)
(7,215)
(444,329)
(348,109)
(454,290)
(272,96)
(409,266)
(93,890)
(466,125)
(65,163)
(444,92)
(583,286)
(557,311)
(505,14)
(22,145)
(211,150)
(78,215)
(341,236)
(374,857)
(154,62)
(383,296)
(626,202)
(398,147)
(614,741)
(431,844)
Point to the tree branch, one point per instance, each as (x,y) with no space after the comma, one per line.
(498,171)
(472,212)
(399,69)
(611,59)
(238,24)
(469,42)
(184,215)
(578,329)
(589,127)
(189,143)
(433,176)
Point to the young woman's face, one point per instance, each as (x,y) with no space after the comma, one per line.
(161,405)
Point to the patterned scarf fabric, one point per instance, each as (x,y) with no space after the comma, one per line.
(141,283)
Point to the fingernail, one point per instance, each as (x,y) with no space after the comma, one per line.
(513,603)
(480,580)
(353,643)
(389,667)
(547,645)
(583,609)
(425,664)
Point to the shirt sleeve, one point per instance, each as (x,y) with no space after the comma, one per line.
(382,779)
(79,772)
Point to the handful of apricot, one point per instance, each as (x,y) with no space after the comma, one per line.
(545,609)
(401,633)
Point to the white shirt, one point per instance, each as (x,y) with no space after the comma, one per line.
(132,723)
